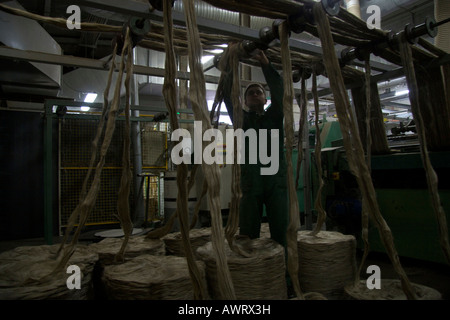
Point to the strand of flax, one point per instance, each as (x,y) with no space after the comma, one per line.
(302,104)
(85,206)
(364,212)
(169,93)
(353,145)
(123,205)
(432,178)
(229,62)
(197,95)
(317,152)
(75,214)
(292,248)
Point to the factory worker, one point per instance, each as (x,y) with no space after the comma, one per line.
(261,189)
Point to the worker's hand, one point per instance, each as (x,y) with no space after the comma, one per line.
(261,57)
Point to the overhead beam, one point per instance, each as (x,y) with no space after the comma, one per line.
(140,9)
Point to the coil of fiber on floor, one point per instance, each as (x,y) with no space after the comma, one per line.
(261,276)
(327,262)
(390,289)
(149,277)
(108,248)
(24,274)
(174,243)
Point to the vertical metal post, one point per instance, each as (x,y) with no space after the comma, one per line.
(48,177)
(139,218)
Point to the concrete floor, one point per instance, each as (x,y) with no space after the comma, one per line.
(433,275)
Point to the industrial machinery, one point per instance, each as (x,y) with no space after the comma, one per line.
(401,190)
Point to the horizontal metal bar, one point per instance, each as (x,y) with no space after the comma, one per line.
(35,56)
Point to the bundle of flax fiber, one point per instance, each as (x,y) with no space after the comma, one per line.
(149,277)
(174,245)
(260,275)
(26,273)
(327,262)
(390,289)
(107,249)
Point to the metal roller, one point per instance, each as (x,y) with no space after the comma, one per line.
(331,7)
(412,33)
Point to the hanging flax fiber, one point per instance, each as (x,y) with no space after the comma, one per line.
(123,205)
(229,62)
(169,93)
(318,157)
(150,277)
(294,221)
(197,95)
(377,140)
(364,212)
(86,204)
(302,102)
(353,145)
(100,129)
(432,178)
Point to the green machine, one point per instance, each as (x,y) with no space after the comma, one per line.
(402,194)
(307,176)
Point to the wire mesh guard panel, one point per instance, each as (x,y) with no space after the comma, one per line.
(154,147)
(105,209)
(76,136)
(152,198)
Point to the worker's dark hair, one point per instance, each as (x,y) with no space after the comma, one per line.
(251,85)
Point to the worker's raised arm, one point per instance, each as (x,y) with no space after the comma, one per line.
(275,83)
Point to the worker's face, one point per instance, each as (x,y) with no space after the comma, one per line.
(255,98)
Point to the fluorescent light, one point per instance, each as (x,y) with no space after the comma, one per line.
(90,97)
(205,59)
(85,108)
(401,93)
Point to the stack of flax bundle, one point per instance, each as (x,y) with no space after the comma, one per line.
(174,245)
(32,273)
(258,276)
(327,262)
(108,248)
(150,277)
(390,289)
